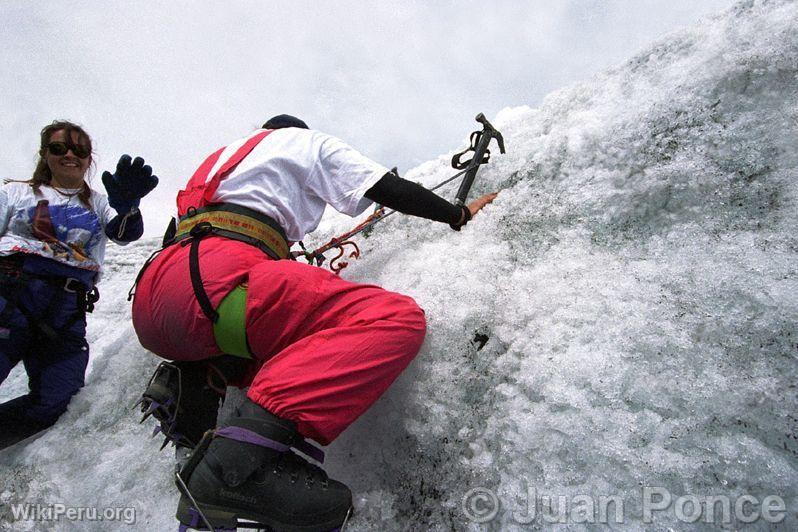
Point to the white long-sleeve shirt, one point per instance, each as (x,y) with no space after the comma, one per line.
(293,173)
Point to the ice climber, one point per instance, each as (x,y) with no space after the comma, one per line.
(224,302)
(53,231)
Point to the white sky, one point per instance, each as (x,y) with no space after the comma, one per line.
(400,81)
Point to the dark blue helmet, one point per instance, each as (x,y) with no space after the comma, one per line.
(281,121)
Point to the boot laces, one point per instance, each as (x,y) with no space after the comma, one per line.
(289,461)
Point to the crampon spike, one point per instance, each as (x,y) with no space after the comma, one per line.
(164,444)
(149,411)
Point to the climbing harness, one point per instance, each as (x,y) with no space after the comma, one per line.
(479,142)
(12,279)
(238,223)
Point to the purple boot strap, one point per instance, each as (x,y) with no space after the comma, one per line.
(247,436)
(198,524)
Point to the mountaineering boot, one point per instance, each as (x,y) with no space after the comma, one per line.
(15,426)
(184,396)
(247,472)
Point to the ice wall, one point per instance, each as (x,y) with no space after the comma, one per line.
(635,289)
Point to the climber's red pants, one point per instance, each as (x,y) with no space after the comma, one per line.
(326,348)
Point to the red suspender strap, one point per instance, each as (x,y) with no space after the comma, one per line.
(192,194)
(230,165)
(200,190)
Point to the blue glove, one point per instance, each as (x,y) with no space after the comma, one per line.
(131,182)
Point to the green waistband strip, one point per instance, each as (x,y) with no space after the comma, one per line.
(230,330)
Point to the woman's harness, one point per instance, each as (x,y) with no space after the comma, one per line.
(13,277)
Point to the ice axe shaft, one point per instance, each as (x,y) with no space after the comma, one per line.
(483,139)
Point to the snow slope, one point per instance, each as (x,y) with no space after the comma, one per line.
(636,282)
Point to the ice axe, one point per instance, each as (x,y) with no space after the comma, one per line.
(479,145)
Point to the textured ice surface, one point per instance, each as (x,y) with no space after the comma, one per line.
(636,284)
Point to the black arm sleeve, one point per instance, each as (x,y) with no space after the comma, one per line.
(409,198)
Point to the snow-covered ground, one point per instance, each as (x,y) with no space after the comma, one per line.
(635,282)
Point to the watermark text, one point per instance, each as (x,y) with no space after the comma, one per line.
(63,512)
(482,505)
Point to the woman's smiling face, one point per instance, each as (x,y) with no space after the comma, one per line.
(68,169)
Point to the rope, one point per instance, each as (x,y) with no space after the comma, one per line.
(376,217)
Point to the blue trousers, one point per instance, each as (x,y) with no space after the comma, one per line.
(41,326)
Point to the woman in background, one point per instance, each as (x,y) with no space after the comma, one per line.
(53,230)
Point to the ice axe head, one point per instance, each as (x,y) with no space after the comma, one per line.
(491,131)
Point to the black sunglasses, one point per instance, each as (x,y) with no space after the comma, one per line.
(61,148)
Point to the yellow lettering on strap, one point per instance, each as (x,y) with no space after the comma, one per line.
(237,223)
